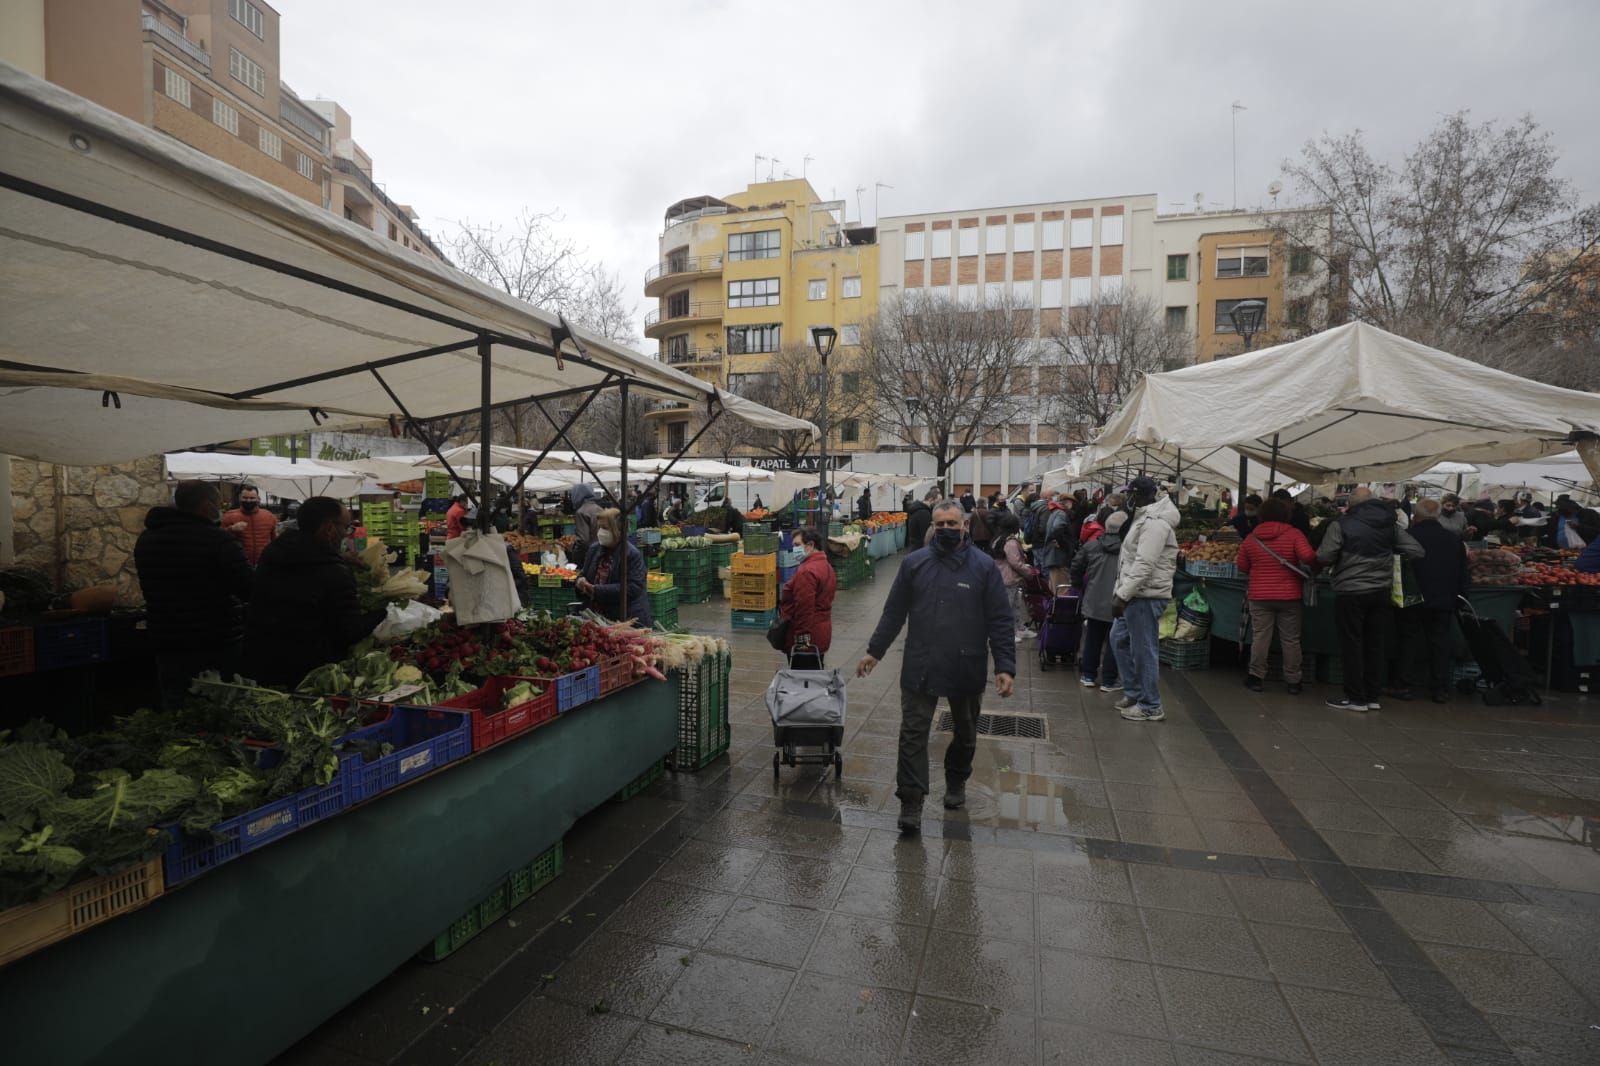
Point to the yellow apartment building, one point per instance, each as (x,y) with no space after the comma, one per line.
(743,275)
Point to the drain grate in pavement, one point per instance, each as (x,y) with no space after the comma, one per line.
(1015,726)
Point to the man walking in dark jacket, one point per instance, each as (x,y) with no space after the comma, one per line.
(919,519)
(195,582)
(956,601)
(304,612)
(1443,576)
(1360,546)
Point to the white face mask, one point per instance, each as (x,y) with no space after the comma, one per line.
(605,538)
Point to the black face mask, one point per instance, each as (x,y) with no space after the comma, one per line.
(946,541)
(249,506)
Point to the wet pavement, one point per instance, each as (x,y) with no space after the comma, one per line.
(1256,879)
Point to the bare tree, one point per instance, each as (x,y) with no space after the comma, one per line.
(792,383)
(943,374)
(1097,354)
(1471,244)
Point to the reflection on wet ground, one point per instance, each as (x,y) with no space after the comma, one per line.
(1256,879)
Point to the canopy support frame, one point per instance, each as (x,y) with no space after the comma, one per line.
(426,438)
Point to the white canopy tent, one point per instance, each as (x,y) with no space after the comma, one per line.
(298,479)
(1352,403)
(152,297)
(1555,474)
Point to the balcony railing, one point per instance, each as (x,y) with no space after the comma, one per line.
(700,264)
(698,309)
(690,355)
(303,119)
(151,24)
(348,166)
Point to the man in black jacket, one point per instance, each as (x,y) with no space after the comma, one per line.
(956,601)
(305,612)
(919,518)
(1443,576)
(195,582)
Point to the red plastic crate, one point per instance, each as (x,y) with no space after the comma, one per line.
(16,651)
(490,724)
(615,673)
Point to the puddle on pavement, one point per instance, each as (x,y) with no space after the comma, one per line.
(1015,800)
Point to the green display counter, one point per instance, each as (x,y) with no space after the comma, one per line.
(238,965)
(1320,632)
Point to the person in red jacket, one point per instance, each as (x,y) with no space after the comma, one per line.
(253,526)
(455,519)
(807,600)
(1279,560)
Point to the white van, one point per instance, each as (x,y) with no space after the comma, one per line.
(742,495)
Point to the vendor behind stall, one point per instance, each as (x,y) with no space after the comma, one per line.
(195,581)
(304,610)
(602,571)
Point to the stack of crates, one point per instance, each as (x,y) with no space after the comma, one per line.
(664,607)
(1185,654)
(703,730)
(436,485)
(694,573)
(723,551)
(853,569)
(405,529)
(755,590)
(512,891)
(377,517)
(788,563)
(760,543)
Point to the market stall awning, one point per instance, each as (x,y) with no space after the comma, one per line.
(1353,403)
(125,252)
(297,479)
(1210,467)
(1558,473)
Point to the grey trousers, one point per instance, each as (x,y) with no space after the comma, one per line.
(916,721)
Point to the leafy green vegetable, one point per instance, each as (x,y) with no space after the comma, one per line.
(31,775)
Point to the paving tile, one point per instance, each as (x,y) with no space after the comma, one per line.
(1230,1013)
(1335,814)
(890,850)
(1165,830)
(869,951)
(1203,942)
(826,1018)
(889,894)
(1487,856)
(1552,933)
(1081,1046)
(1511,984)
(798,880)
(1111,994)
(822,840)
(713,867)
(731,998)
(673,913)
(748,829)
(988,865)
(766,932)
(1347,1030)
(1434,824)
(1187,890)
(1537,1042)
(382,1022)
(1081,876)
(629,973)
(544,1030)
(1384,852)
(1321,958)
(990,973)
(983,910)
(1189,1055)
(1131,797)
(949,1033)
(1242,838)
(655,1045)
(1263,899)
(1450,921)
(1312,786)
(1091,927)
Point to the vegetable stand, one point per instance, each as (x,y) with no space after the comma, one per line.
(238,965)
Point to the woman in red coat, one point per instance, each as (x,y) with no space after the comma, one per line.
(1275,589)
(807,600)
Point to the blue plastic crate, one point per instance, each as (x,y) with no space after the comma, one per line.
(423,738)
(576,689)
(188,858)
(56,647)
(754,619)
(693,531)
(785,540)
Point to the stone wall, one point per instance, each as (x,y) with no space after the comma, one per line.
(103,508)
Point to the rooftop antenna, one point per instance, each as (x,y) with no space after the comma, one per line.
(755,171)
(806,162)
(859,190)
(1273,190)
(1237,107)
(772,166)
(876,194)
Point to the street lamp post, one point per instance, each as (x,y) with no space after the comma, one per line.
(824,337)
(1247,316)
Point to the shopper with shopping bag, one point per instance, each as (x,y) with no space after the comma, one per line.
(1280,563)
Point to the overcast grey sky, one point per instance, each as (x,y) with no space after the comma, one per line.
(610,112)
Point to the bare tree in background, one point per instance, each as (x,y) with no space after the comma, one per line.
(1097,354)
(791,383)
(1471,244)
(943,374)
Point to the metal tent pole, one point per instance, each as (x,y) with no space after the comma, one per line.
(1272,471)
(622,489)
(485,432)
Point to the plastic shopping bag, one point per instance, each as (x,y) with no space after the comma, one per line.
(1168,624)
(401,621)
(1194,618)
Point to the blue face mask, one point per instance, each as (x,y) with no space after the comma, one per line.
(947,540)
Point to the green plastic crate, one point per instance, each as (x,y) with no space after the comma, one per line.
(760,543)
(639,784)
(663,602)
(515,888)
(667,620)
(703,729)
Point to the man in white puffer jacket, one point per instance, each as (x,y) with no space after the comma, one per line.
(1149,558)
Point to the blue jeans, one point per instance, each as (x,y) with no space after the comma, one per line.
(1098,661)
(1136,643)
